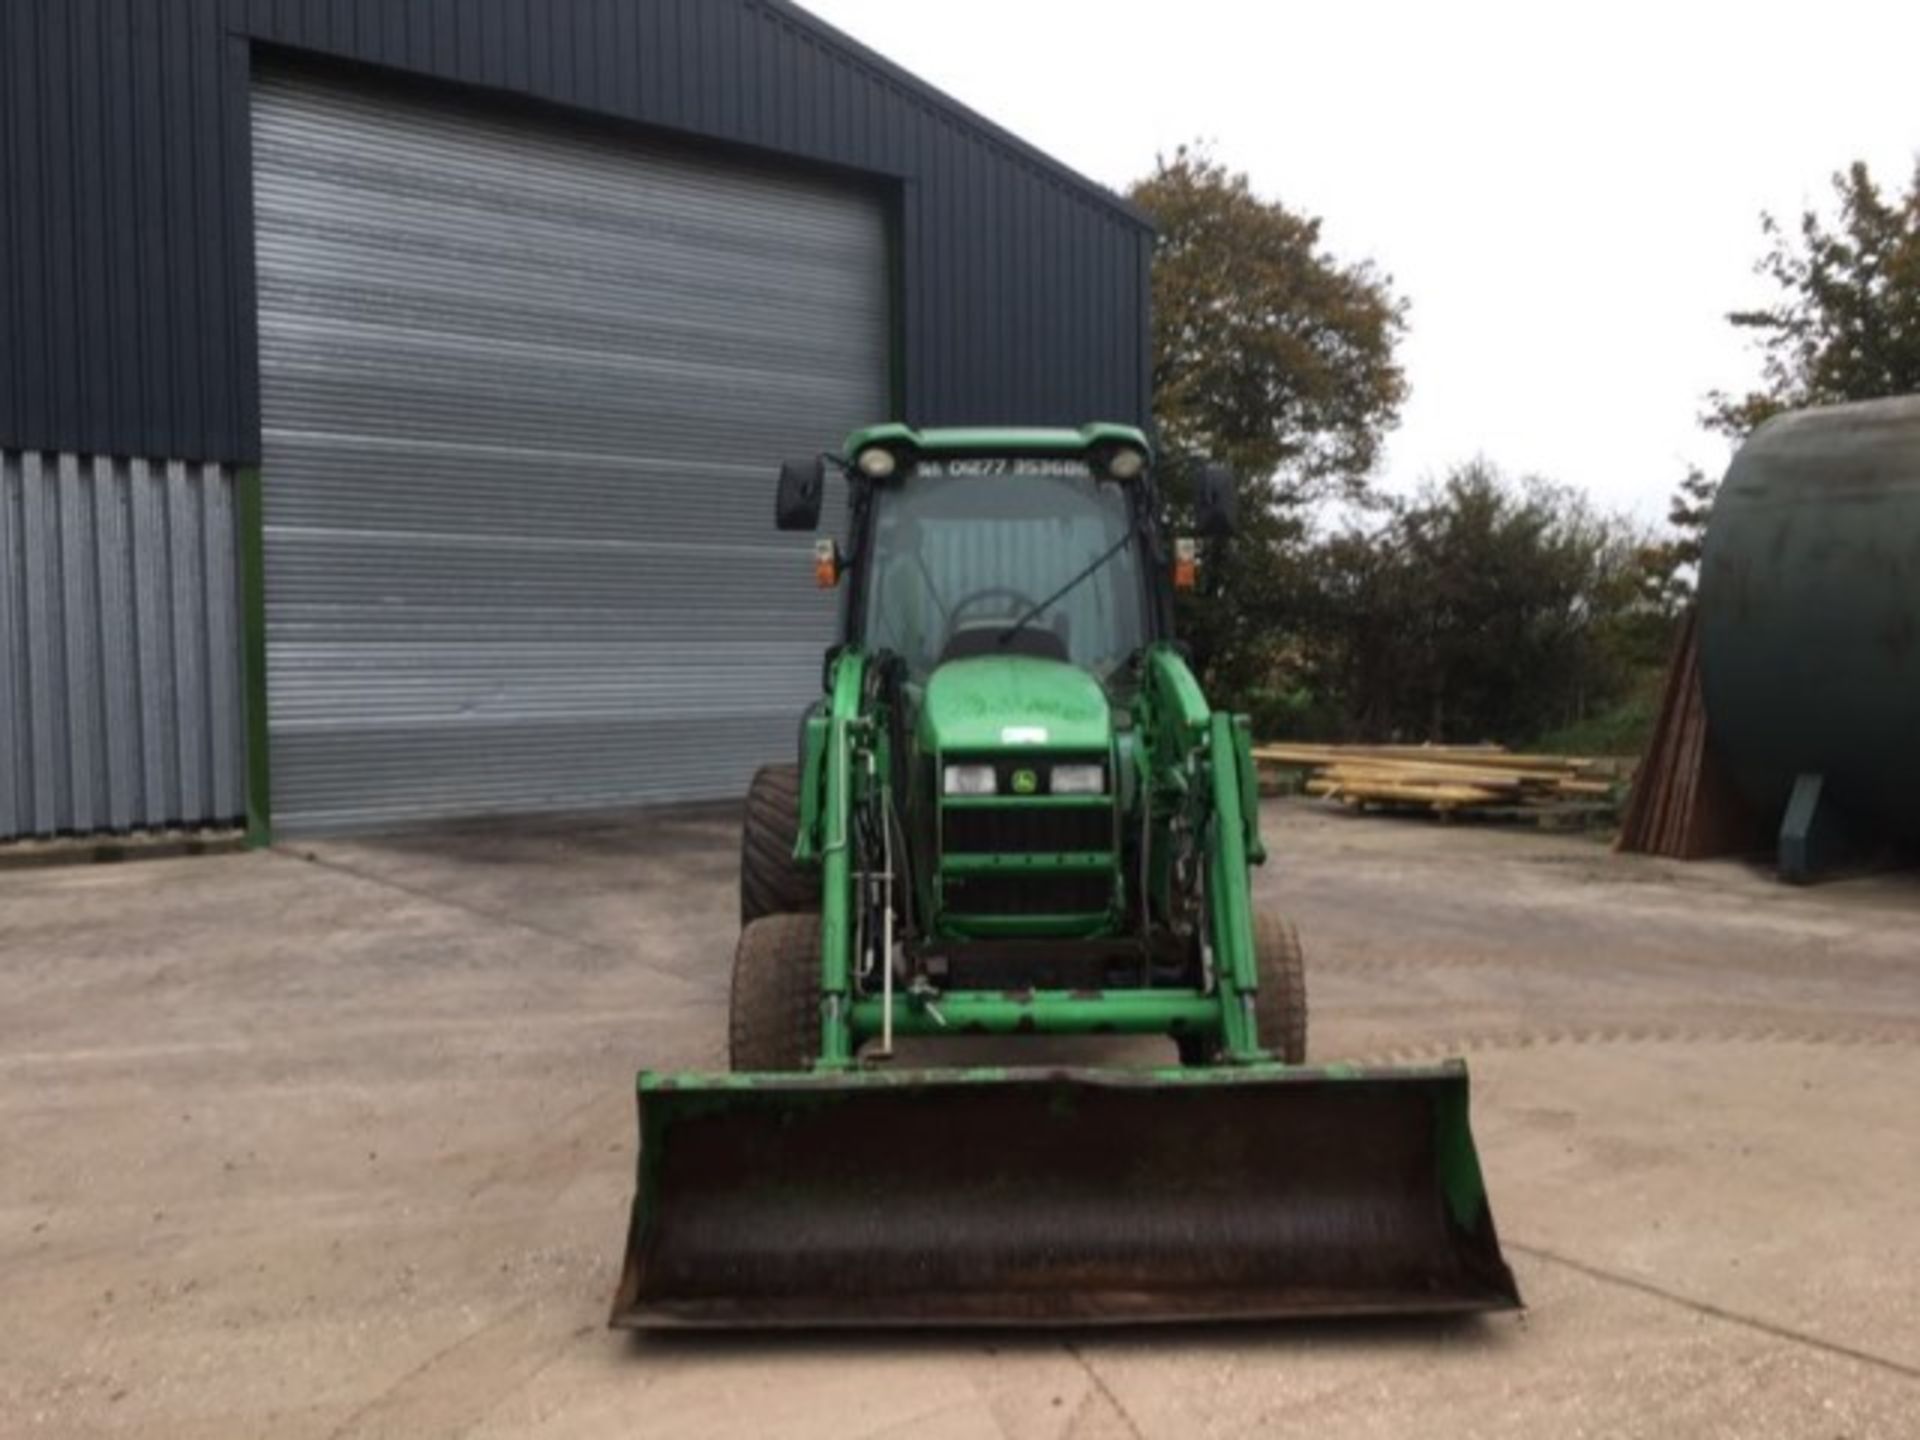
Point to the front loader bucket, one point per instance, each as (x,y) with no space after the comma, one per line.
(1011,1197)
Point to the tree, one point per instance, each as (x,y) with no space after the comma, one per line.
(1847,325)
(1687,513)
(1271,355)
(1672,566)
(1482,609)
(1268,353)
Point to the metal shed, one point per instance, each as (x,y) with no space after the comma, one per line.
(389,394)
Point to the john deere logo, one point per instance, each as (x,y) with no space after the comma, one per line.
(1025,782)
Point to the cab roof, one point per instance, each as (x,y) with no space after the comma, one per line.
(998,439)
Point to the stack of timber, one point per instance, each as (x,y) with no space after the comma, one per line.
(1482,780)
(1683,805)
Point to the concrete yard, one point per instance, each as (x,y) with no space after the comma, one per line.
(336,1140)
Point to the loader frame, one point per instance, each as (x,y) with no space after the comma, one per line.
(1200,757)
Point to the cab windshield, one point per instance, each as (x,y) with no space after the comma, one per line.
(962,549)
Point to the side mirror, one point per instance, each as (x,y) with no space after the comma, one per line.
(802,483)
(1216,502)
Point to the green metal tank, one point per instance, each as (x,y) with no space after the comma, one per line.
(1810,627)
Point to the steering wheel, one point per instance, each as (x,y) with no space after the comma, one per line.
(1022,603)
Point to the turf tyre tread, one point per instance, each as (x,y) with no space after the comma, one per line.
(1280,1007)
(773,1014)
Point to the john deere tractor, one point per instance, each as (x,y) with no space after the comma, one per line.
(1014,814)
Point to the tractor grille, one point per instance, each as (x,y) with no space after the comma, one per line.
(1025,829)
(1029,893)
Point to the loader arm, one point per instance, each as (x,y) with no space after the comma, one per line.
(847,728)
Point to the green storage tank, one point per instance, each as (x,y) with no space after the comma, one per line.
(1810,627)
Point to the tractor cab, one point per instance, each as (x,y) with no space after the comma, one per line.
(968,555)
(1042,542)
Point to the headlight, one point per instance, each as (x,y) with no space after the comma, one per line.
(876,462)
(1077,780)
(969,780)
(1126,463)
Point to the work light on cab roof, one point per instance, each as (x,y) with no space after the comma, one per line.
(1013,812)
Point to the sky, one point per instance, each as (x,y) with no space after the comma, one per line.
(1567,195)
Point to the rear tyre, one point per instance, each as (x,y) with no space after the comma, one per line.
(772,882)
(773,1019)
(1280,1008)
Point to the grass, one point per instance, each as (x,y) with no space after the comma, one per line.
(1621,729)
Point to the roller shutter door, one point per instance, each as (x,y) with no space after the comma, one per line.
(524,389)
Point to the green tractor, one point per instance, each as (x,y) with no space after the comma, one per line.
(1015,814)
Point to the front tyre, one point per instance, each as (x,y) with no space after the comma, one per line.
(773,1019)
(1280,1007)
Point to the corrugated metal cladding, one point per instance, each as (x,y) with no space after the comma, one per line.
(127,299)
(120,696)
(525,388)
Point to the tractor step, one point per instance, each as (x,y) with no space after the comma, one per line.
(1030,1196)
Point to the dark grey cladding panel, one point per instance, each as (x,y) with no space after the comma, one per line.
(126,284)
(119,658)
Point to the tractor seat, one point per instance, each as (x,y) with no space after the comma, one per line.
(984,638)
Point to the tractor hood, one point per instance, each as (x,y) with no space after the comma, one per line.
(995,702)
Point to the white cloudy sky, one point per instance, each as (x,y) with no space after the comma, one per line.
(1568,194)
